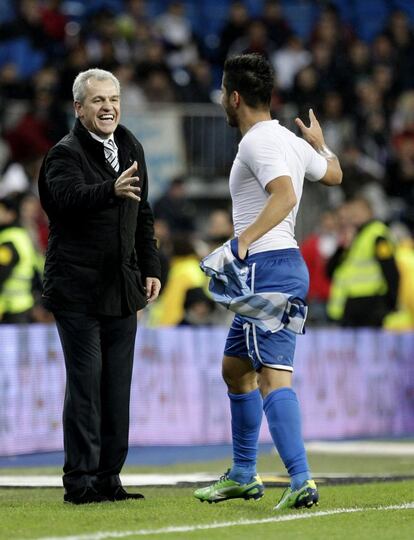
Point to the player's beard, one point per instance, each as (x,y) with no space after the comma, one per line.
(232,119)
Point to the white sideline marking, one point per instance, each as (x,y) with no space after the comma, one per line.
(190,528)
(145,480)
(49,480)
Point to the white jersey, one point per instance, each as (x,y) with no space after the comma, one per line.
(268,151)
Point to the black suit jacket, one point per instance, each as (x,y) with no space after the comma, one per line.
(101,247)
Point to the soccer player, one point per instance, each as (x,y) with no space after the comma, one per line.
(266,182)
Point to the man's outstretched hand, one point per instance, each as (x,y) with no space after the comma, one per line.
(124,185)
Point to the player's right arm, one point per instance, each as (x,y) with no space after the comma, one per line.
(314,136)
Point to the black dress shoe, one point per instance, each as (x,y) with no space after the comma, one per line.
(119,494)
(84,495)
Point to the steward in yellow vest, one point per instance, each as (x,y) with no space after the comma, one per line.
(18,264)
(184,274)
(365,276)
(403,318)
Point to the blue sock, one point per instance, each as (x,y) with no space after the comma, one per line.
(283,416)
(246,419)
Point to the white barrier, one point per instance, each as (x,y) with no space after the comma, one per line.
(350,383)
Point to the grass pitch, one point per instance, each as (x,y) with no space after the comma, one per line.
(380,510)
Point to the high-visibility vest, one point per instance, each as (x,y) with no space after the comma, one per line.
(360,274)
(403,318)
(16,293)
(184,273)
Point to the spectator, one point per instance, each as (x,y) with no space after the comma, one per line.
(34,220)
(324,62)
(153,59)
(331,31)
(219,229)
(306,92)
(200,86)
(277,27)
(11,85)
(288,61)
(359,170)
(37,130)
(176,33)
(27,24)
(133,16)
(184,274)
(158,88)
(20,176)
(234,28)
(402,37)
(364,273)
(174,208)
(402,118)
(104,45)
(75,62)
(400,175)
(162,234)
(317,249)
(256,40)
(19,263)
(357,67)
(403,318)
(338,127)
(383,51)
(374,141)
(198,308)
(133,97)
(54,20)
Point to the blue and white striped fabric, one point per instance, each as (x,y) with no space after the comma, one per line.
(270,311)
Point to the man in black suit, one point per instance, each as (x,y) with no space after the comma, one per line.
(101,267)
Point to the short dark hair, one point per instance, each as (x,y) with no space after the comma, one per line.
(252,76)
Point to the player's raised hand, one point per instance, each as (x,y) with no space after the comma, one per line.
(313,134)
(124,185)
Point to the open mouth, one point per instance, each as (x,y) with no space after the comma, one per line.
(107,118)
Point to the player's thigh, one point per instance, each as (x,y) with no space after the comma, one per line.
(238,371)
(270,379)
(239,375)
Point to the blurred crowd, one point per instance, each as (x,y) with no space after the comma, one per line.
(362,92)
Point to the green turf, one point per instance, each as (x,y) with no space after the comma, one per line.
(37,513)
(268,462)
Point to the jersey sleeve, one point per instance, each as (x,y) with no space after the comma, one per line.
(316,165)
(264,160)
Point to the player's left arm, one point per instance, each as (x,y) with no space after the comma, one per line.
(281,201)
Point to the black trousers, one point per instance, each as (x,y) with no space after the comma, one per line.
(98,355)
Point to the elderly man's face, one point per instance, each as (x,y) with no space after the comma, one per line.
(101,109)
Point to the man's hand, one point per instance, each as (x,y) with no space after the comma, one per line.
(124,185)
(243,247)
(313,134)
(239,248)
(153,287)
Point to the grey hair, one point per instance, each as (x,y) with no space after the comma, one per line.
(79,84)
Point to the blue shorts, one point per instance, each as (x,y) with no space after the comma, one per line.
(282,270)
